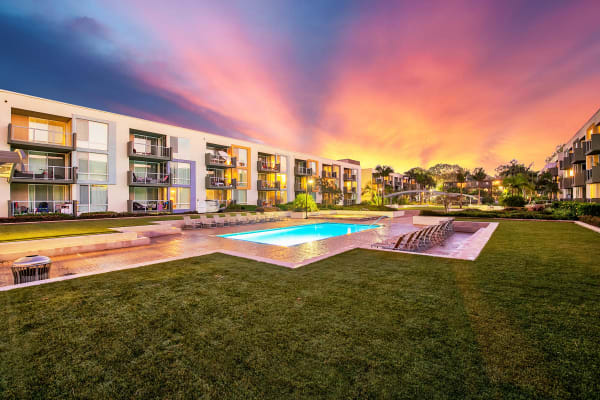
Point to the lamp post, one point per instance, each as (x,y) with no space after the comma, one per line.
(308,189)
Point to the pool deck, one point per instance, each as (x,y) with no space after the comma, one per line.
(199,242)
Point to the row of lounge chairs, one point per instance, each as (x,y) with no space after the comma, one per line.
(230,220)
(420,240)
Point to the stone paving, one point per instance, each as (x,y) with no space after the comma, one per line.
(205,241)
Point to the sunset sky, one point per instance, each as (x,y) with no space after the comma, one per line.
(386,82)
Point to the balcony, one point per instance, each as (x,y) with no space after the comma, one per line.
(41,139)
(152,179)
(220,160)
(303,171)
(350,178)
(579,178)
(592,146)
(578,155)
(49,174)
(565,163)
(298,187)
(262,166)
(267,186)
(146,151)
(216,183)
(553,171)
(593,175)
(566,183)
(149,206)
(349,190)
(18,207)
(327,174)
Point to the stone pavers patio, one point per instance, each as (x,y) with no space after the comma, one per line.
(205,241)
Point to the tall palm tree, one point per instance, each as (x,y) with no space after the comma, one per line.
(383,172)
(371,192)
(479,176)
(461,176)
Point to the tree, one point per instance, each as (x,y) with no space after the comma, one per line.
(370,191)
(546,184)
(479,176)
(442,173)
(303,200)
(383,172)
(421,177)
(328,187)
(517,183)
(461,175)
(512,168)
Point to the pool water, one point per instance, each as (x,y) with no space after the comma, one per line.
(295,235)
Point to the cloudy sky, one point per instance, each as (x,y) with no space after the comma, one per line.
(401,83)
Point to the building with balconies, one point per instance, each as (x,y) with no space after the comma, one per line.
(76,159)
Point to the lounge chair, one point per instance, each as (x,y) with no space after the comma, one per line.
(219,221)
(207,222)
(189,223)
(252,219)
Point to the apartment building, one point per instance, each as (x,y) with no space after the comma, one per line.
(74,159)
(395,182)
(577,166)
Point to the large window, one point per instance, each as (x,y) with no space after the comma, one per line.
(242,177)
(242,157)
(92,167)
(240,196)
(181,173)
(181,198)
(93,198)
(92,135)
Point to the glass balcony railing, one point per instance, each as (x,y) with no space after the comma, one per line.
(45,174)
(40,138)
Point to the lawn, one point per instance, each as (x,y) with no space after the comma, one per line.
(44,230)
(522,321)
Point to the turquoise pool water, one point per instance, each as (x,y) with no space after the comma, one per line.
(294,235)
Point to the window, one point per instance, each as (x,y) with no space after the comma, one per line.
(181,173)
(181,198)
(240,196)
(92,167)
(93,198)
(242,157)
(92,135)
(181,148)
(283,163)
(242,177)
(47,131)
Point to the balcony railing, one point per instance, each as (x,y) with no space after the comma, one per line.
(566,183)
(149,206)
(23,207)
(593,174)
(565,163)
(49,174)
(579,178)
(218,160)
(263,166)
(298,187)
(349,190)
(349,177)
(41,139)
(148,151)
(148,179)
(213,182)
(592,146)
(327,174)
(578,155)
(264,185)
(303,171)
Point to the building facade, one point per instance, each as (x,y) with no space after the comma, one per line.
(77,159)
(395,182)
(576,166)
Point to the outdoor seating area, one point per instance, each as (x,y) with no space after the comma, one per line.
(419,240)
(232,219)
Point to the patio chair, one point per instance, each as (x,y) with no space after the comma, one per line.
(207,222)
(189,223)
(270,217)
(219,221)
(261,218)
(252,219)
(232,220)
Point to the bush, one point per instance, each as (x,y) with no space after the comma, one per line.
(240,207)
(577,208)
(515,214)
(588,219)
(302,201)
(513,201)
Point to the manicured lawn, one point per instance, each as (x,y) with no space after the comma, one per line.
(43,230)
(521,321)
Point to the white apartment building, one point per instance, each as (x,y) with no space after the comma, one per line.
(75,159)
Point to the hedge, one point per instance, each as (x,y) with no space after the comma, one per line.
(94,215)
(517,214)
(577,208)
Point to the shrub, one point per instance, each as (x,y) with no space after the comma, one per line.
(515,214)
(588,219)
(302,201)
(577,208)
(513,201)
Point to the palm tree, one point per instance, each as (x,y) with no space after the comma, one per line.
(383,172)
(371,192)
(461,176)
(479,176)
(517,183)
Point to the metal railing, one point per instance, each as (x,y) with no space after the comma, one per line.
(22,207)
(303,171)
(148,178)
(349,177)
(40,135)
(149,205)
(220,160)
(264,166)
(213,182)
(145,149)
(264,185)
(48,173)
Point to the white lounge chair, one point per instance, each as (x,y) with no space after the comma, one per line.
(207,222)
(189,223)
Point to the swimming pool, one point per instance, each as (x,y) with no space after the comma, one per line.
(294,235)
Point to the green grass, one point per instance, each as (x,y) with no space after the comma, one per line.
(45,230)
(522,321)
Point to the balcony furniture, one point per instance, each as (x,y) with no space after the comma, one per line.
(262,166)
